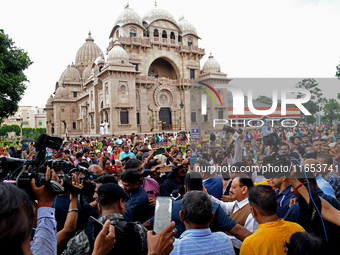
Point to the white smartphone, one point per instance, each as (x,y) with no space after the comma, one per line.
(163,213)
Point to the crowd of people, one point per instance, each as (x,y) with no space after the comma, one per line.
(240,210)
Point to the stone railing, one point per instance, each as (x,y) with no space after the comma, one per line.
(192,48)
(163,80)
(124,125)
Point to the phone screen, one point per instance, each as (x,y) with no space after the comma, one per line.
(163,213)
(165,169)
(192,161)
(160,151)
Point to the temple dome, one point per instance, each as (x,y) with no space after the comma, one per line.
(128,16)
(117,55)
(186,27)
(61,92)
(49,100)
(158,14)
(70,74)
(88,52)
(211,65)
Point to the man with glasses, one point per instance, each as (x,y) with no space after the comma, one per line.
(93,158)
(126,153)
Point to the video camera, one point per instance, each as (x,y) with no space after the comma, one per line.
(271,139)
(228,129)
(21,172)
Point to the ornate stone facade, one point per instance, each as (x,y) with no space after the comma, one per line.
(146,74)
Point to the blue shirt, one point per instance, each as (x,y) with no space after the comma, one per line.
(169,185)
(24,146)
(94,162)
(334,180)
(61,204)
(283,199)
(45,238)
(139,204)
(203,241)
(124,155)
(214,186)
(49,153)
(221,221)
(325,186)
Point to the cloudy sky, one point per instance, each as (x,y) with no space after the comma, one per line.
(250,39)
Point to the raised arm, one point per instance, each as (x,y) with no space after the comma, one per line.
(328,212)
(72,215)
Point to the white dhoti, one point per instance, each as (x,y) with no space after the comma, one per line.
(101,129)
(106,128)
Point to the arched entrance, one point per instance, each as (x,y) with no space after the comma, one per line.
(162,67)
(63,127)
(165,116)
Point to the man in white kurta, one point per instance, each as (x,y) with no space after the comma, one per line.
(239,210)
(101,128)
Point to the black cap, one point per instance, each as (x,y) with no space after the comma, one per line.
(112,190)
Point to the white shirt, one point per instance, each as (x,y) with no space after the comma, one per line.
(109,149)
(289,134)
(251,224)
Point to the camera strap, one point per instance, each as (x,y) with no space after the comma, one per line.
(309,217)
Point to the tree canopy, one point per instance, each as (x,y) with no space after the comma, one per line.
(313,104)
(331,111)
(13,62)
(269,101)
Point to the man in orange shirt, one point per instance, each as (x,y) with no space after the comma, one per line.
(273,232)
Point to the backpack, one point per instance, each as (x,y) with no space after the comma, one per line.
(128,240)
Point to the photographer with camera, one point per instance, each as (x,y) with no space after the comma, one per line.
(17,218)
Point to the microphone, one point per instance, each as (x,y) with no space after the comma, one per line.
(236,135)
(175,194)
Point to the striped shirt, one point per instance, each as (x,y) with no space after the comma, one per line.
(203,241)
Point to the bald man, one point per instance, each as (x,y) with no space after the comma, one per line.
(97,169)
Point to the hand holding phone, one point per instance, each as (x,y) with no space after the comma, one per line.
(163,213)
(160,151)
(165,169)
(325,150)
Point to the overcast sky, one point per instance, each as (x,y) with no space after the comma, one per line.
(288,38)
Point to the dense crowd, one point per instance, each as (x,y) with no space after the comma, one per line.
(224,203)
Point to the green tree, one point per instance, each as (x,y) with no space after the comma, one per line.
(313,104)
(265,100)
(269,101)
(13,62)
(9,128)
(331,111)
(33,133)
